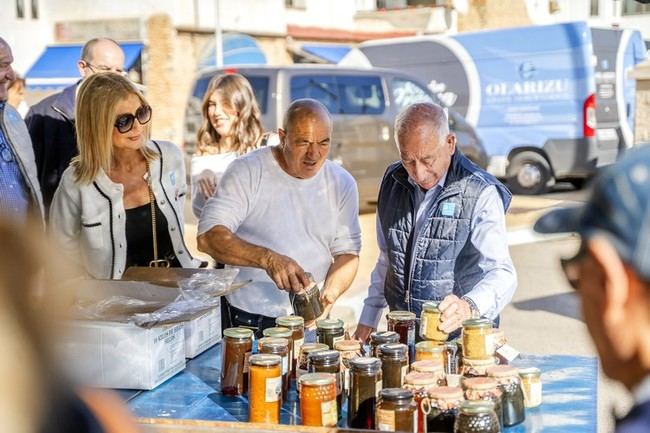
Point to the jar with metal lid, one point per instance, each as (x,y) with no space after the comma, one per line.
(485,388)
(296,325)
(394,364)
(328,361)
(477,417)
(307,303)
(365,385)
(330,331)
(476,367)
(349,349)
(419,384)
(396,411)
(305,350)
(403,322)
(432,368)
(381,337)
(430,350)
(477,341)
(452,362)
(278,346)
(430,320)
(512,395)
(236,348)
(531,384)
(444,402)
(265,389)
(318,400)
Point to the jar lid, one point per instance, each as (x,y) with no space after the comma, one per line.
(396,394)
(273,342)
(393,349)
(446,393)
(479,383)
(477,323)
(265,359)
(278,331)
(476,407)
(399,315)
(427,366)
(482,363)
(429,346)
(431,307)
(365,363)
(325,357)
(502,371)
(530,372)
(329,324)
(416,378)
(238,333)
(384,337)
(347,345)
(313,347)
(317,379)
(290,321)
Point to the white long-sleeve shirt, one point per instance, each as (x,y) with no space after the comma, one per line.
(489,237)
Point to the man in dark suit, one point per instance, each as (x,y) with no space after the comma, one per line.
(611,274)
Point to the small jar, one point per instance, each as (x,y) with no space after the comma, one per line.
(365,385)
(305,350)
(476,343)
(444,402)
(396,411)
(265,389)
(307,303)
(432,368)
(430,350)
(419,383)
(394,364)
(349,349)
(477,417)
(280,332)
(330,331)
(403,322)
(296,325)
(485,388)
(278,346)
(476,367)
(235,351)
(531,384)
(318,400)
(452,362)
(430,320)
(512,400)
(379,338)
(328,361)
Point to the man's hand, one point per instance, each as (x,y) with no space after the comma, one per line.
(285,272)
(206,183)
(454,312)
(362,333)
(327,299)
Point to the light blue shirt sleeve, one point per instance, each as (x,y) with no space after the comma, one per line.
(375,302)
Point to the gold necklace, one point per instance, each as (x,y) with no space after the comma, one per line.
(155,263)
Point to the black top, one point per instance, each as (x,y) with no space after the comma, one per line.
(139,250)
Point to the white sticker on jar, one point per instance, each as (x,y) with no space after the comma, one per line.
(385,420)
(423,325)
(329,413)
(273,389)
(297,344)
(285,364)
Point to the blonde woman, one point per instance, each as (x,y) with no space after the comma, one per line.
(231,127)
(120,202)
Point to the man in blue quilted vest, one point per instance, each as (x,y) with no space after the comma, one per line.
(440,230)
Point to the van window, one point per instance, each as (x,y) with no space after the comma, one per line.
(341,94)
(260,85)
(407,92)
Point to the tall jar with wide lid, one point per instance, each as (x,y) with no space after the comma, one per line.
(394,364)
(382,337)
(484,388)
(349,349)
(328,361)
(445,403)
(396,411)
(477,417)
(280,332)
(513,405)
(236,349)
(265,389)
(330,331)
(278,346)
(430,350)
(419,384)
(318,400)
(430,320)
(296,325)
(477,339)
(403,322)
(365,385)
(305,350)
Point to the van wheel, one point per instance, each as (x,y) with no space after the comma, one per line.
(529,174)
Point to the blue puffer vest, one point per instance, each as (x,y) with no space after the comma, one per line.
(440,259)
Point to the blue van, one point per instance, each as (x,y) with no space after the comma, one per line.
(529,92)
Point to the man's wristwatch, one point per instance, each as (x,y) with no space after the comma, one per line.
(472,307)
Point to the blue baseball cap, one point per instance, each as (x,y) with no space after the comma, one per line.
(618,208)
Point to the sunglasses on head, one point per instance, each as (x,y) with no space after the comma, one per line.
(124,122)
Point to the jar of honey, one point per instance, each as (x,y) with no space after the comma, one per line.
(296,325)
(432,368)
(365,385)
(485,388)
(419,384)
(396,411)
(531,384)
(477,339)
(328,361)
(430,320)
(381,337)
(430,350)
(318,400)
(265,389)
(477,417)
(278,346)
(307,303)
(305,350)
(394,364)
(280,332)
(476,367)
(403,322)
(330,331)
(349,349)
(236,349)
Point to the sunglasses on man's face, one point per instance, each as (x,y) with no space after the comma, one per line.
(124,122)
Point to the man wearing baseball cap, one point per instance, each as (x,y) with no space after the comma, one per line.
(611,274)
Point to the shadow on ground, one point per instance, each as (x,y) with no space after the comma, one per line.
(564,304)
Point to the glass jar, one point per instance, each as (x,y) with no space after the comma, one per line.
(476,417)
(296,325)
(394,364)
(531,384)
(430,320)
(365,385)
(265,389)
(305,350)
(451,358)
(432,368)
(512,400)
(476,367)
(430,350)
(396,411)
(236,348)
(330,331)
(307,303)
(318,400)
(419,383)
(403,322)
(349,349)
(379,338)
(485,388)
(278,346)
(444,402)
(476,344)
(328,361)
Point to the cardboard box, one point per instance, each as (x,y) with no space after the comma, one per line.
(202,332)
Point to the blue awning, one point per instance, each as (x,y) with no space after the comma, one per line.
(57,66)
(329,53)
(238,49)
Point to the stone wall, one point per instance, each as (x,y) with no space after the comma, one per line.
(493,14)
